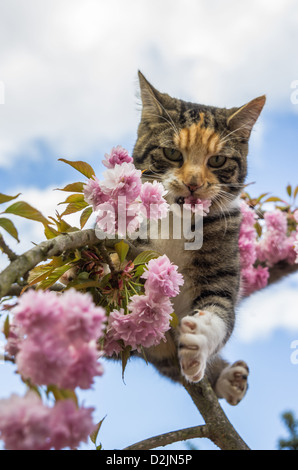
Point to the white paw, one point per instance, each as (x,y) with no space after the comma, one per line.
(200,336)
(232,382)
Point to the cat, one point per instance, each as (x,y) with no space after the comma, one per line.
(199,151)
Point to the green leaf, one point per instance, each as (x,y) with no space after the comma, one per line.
(261,197)
(50,232)
(295,192)
(53,276)
(145,256)
(80,166)
(258,228)
(85,216)
(73,187)
(73,198)
(39,273)
(23,209)
(62,225)
(125,355)
(174,321)
(274,199)
(94,434)
(5,198)
(139,270)
(289,190)
(6,327)
(121,249)
(74,207)
(78,285)
(9,227)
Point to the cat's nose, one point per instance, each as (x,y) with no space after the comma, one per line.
(193,187)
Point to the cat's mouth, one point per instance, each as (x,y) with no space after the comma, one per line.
(180,200)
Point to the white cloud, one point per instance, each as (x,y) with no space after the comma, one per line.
(32,232)
(272,309)
(69,67)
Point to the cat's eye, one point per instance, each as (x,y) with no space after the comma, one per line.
(172,154)
(217,161)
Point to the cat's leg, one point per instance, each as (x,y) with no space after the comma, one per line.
(201,336)
(229,381)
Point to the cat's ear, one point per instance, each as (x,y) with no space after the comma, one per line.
(151,98)
(242,120)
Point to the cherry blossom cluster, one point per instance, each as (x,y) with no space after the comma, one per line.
(296,238)
(26,423)
(121,201)
(253,278)
(53,338)
(258,255)
(149,314)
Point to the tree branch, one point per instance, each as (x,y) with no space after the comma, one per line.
(53,247)
(220,430)
(170,437)
(280,270)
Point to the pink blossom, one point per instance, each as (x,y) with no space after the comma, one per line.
(118,156)
(247,236)
(24,423)
(254,278)
(153,202)
(247,248)
(37,310)
(134,218)
(107,217)
(94,194)
(296,248)
(275,245)
(69,424)
(44,358)
(296,237)
(83,319)
(276,220)
(162,277)
(145,326)
(27,424)
(83,367)
(119,218)
(14,340)
(122,180)
(122,327)
(57,336)
(152,318)
(197,206)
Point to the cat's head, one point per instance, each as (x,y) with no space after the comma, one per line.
(194,150)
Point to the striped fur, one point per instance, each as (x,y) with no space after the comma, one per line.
(212,274)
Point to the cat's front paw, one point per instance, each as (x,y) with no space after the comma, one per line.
(232,382)
(200,335)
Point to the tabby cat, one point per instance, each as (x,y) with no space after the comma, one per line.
(200,151)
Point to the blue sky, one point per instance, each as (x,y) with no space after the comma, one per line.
(69,71)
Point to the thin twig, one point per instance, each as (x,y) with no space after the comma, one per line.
(170,437)
(8,251)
